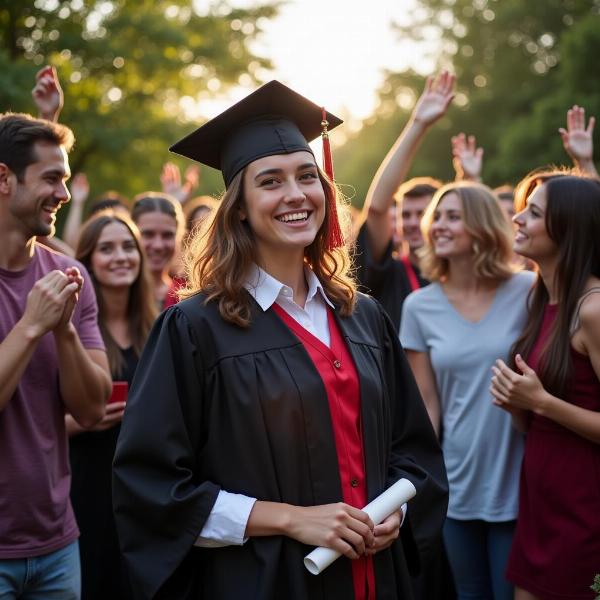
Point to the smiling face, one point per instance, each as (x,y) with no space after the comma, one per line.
(159,238)
(531,238)
(284,203)
(448,233)
(42,191)
(115,261)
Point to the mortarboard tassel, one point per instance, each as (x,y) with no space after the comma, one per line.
(335,238)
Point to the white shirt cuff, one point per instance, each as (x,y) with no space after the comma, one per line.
(227,521)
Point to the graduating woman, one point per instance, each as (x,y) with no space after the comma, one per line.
(275,401)
(552,389)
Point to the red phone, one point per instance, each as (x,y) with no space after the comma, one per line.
(119,392)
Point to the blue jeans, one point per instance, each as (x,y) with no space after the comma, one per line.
(478,553)
(54,576)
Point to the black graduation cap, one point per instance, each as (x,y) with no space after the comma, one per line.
(272,120)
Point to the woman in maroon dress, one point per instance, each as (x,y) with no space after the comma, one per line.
(555,392)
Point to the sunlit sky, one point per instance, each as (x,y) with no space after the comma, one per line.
(334,51)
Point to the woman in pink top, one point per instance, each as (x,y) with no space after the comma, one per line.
(553,389)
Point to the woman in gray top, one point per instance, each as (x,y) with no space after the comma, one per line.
(452,332)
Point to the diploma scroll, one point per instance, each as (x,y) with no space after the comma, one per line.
(379,509)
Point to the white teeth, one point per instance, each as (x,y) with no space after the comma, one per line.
(299,216)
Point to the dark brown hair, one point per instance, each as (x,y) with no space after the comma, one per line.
(221,253)
(20,132)
(149,202)
(417,187)
(573,223)
(141,307)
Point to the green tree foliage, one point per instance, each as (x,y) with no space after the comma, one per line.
(127,67)
(520,66)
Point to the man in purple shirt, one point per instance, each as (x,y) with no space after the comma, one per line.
(52,361)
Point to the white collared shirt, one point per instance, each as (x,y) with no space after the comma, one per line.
(267,290)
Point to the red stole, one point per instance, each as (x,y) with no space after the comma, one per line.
(410,272)
(336,368)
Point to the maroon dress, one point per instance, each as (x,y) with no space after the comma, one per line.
(556,548)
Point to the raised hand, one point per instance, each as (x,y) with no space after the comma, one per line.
(577,138)
(47,94)
(467,159)
(191,178)
(170,179)
(80,188)
(435,99)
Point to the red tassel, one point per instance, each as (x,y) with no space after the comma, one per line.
(335,239)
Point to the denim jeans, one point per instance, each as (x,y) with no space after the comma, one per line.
(54,576)
(478,553)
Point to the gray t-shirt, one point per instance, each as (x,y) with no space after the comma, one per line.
(482,450)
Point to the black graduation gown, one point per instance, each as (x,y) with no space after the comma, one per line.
(387,280)
(217,406)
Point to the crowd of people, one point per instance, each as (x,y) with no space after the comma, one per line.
(194,392)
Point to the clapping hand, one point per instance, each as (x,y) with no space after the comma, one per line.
(51,301)
(512,390)
(73,277)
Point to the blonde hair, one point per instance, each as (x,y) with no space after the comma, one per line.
(486,224)
(221,252)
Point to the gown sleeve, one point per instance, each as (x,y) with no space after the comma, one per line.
(160,506)
(415,451)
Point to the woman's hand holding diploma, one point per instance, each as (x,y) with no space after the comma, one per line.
(384,509)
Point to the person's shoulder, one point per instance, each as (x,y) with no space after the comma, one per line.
(423,295)
(589,312)
(194,309)
(522,279)
(52,259)
(204,317)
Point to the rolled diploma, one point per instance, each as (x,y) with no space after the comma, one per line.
(379,509)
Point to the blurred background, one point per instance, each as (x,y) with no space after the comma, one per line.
(138,74)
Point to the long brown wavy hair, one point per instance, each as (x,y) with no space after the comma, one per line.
(141,307)
(484,221)
(220,255)
(573,224)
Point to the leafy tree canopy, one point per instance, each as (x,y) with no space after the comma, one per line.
(129,70)
(520,66)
